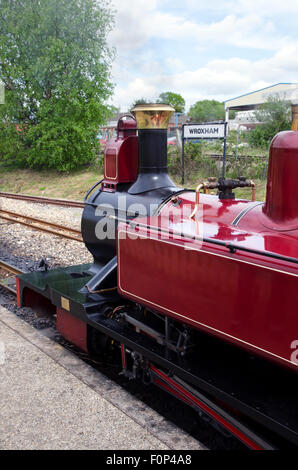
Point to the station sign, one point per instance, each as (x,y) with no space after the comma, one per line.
(204,131)
(207,130)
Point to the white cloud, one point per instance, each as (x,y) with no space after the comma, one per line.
(175,64)
(219,79)
(130,30)
(249,31)
(151,67)
(135,89)
(268,8)
(249,24)
(138,21)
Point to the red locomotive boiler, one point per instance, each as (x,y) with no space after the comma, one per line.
(244,260)
(198,291)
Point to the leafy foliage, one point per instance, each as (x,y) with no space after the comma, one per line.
(173,99)
(196,163)
(54,62)
(168,97)
(139,101)
(250,166)
(204,159)
(207,110)
(243,160)
(275,116)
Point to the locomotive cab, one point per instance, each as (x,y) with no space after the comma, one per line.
(121,156)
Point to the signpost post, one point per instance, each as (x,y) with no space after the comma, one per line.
(1,93)
(204,131)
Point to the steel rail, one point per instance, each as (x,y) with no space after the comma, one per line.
(43,225)
(43,200)
(41,221)
(12,270)
(9,268)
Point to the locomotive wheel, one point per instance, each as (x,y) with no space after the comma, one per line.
(99,343)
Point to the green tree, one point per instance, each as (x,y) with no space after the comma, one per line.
(55,64)
(275,116)
(139,101)
(112,110)
(207,110)
(173,99)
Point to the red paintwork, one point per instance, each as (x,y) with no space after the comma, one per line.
(40,304)
(245,298)
(19,302)
(282,189)
(121,160)
(180,392)
(170,390)
(72,328)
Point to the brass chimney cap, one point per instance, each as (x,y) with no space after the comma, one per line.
(153,115)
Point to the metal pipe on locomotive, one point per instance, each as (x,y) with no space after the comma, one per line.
(189,285)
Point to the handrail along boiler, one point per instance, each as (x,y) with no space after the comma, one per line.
(198,291)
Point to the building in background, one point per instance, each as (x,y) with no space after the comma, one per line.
(248,103)
(243,121)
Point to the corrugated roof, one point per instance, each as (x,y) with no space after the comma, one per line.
(286,91)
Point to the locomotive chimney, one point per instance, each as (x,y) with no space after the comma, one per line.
(282,186)
(152,121)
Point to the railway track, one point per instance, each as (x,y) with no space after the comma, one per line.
(42,225)
(43,200)
(9,282)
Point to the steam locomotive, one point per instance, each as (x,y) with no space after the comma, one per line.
(198,291)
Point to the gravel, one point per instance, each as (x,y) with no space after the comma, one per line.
(7,300)
(25,247)
(67,216)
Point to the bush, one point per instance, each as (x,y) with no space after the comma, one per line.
(199,163)
(55,65)
(252,167)
(196,163)
(275,115)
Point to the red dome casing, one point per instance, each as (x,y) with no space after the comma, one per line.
(281,205)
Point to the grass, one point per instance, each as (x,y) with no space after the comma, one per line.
(49,183)
(76,184)
(246,192)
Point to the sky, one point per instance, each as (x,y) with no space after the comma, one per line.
(216,49)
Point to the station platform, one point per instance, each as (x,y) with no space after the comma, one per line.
(51,399)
